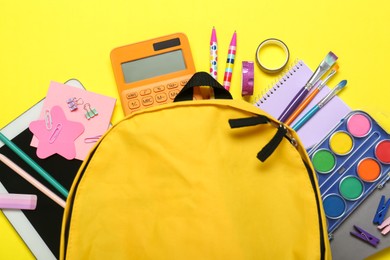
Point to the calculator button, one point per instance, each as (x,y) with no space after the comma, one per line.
(134,104)
(183,82)
(131,95)
(147,101)
(159,88)
(172,94)
(172,85)
(145,92)
(161,97)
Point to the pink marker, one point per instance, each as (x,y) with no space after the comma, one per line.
(227,78)
(18,201)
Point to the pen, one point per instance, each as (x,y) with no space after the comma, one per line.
(32,180)
(320,104)
(311,96)
(33,164)
(230,62)
(214,54)
(324,66)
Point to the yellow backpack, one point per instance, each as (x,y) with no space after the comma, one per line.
(203,179)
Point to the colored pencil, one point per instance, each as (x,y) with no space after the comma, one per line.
(230,62)
(33,164)
(32,180)
(311,96)
(320,104)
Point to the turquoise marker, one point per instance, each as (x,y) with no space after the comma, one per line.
(34,165)
(320,104)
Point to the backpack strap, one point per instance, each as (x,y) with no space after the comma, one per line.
(202,79)
(270,147)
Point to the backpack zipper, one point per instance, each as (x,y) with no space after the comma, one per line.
(321,225)
(71,200)
(271,146)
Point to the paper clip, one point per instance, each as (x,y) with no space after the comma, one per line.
(92,139)
(48,121)
(365,236)
(55,133)
(381,211)
(385,226)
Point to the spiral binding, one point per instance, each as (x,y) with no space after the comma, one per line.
(278,83)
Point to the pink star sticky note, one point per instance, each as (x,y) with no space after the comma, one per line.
(56,134)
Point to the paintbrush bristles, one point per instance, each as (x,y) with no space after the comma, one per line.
(342,84)
(330,75)
(331,58)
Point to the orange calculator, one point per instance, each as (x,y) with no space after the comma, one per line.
(152,72)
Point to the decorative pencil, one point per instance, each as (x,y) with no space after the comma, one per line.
(230,62)
(311,96)
(214,54)
(320,104)
(324,66)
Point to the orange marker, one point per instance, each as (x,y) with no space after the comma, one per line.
(310,97)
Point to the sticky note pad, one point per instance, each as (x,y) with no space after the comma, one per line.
(89,110)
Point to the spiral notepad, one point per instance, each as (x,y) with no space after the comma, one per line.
(275,100)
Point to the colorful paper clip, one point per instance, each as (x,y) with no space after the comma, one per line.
(385,226)
(381,211)
(48,120)
(55,133)
(92,139)
(365,236)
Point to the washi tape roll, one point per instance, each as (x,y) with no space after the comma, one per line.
(247,82)
(278,43)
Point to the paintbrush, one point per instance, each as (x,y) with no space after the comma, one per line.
(320,105)
(324,66)
(311,96)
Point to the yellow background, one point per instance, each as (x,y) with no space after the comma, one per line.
(46,40)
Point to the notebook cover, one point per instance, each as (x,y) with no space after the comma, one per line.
(275,100)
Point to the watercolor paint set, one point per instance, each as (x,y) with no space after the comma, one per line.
(351,161)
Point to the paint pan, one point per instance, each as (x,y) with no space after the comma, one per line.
(382,151)
(341,143)
(334,206)
(324,161)
(368,169)
(359,125)
(351,188)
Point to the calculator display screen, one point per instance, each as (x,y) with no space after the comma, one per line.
(153,66)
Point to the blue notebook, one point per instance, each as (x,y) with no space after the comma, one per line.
(275,100)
